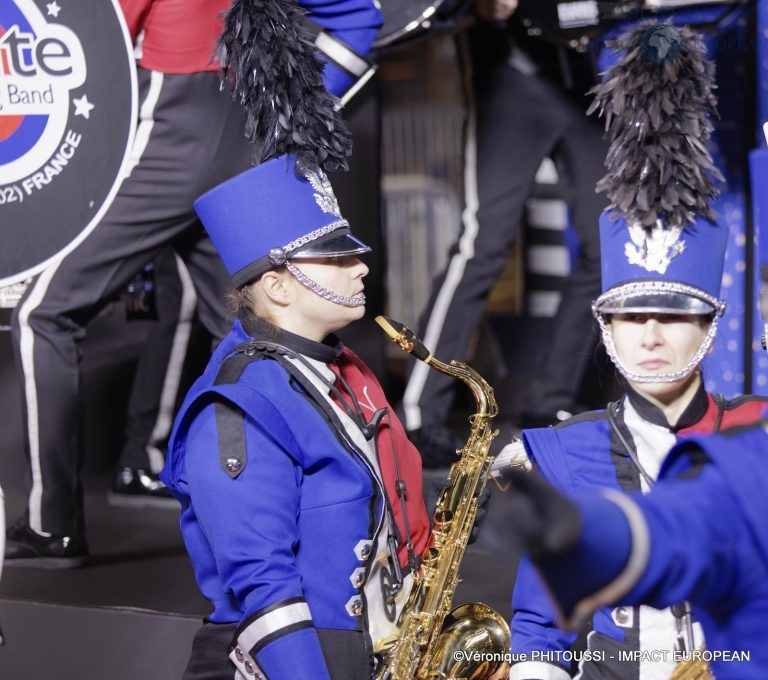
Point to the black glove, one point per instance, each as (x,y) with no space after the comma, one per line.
(541,520)
(483,499)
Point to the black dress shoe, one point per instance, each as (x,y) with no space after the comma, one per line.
(137,488)
(26,548)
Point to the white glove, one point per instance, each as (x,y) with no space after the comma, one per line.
(512,456)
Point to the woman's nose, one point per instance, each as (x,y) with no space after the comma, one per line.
(651,333)
(361,269)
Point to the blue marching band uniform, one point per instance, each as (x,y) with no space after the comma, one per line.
(699,535)
(584,453)
(318,488)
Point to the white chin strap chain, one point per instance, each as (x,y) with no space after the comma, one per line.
(657,377)
(324,293)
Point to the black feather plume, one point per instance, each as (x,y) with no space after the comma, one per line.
(270,64)
(658,123)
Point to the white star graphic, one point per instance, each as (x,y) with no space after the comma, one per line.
(53,9)
(83,106)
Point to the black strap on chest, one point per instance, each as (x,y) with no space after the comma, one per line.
(229,417)
(625,438)
(230,432)
(720,403)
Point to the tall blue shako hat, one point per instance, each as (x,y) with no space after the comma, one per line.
(284,208)
(272,214)
(661,249)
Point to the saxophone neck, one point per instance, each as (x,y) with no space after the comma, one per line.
(408,342)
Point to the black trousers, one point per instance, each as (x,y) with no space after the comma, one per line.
(344,651)
(189,139)
(513,121)
(162,368)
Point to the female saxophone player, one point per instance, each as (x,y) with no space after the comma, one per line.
(302,503)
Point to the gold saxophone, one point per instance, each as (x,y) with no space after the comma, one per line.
(471,642)
(692,669)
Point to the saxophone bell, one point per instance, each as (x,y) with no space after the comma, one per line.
(470,632)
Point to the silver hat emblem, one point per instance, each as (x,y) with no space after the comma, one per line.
(654,249)
(324,196)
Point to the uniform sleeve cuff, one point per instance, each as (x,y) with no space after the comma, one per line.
(346,71)
(610,558)
(263,627)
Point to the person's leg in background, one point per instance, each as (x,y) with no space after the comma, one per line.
(554,387)
(169,300)
(510,128)
(47,327)
(194,282)
(180,152)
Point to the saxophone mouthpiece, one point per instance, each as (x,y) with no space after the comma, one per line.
(404,337)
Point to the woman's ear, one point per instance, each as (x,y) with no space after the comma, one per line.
(274,287)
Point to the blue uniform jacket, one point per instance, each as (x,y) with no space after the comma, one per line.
(279,515)
(703,533)
(571,457)
(584,454)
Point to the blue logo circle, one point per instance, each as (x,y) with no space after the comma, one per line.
(67,112)
(661,44)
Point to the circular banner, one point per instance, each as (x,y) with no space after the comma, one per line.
(67,112)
